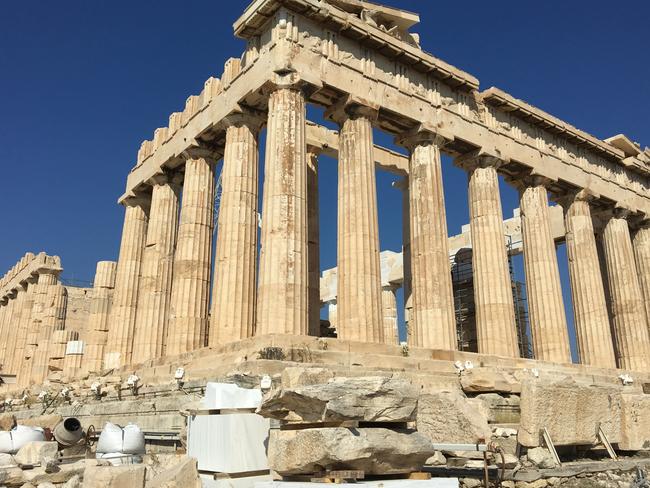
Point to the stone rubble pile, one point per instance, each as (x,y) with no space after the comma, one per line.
(346,424)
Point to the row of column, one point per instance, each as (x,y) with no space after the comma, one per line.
(28,320)
(162,281)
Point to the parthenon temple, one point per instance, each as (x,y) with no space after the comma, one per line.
(197,279)
(169,295)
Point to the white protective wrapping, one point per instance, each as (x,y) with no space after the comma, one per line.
(226,395)
(432,483)
(117,440)
(11,441)
(231,443)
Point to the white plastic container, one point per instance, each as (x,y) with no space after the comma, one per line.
(11,441)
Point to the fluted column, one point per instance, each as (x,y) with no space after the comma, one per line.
(127,279)
(403,186)
(9,364)
(432,320)
(641,245)
(52,320)
(359,275)
(188,319)
(38,337)
(495,318)
(548,323)
(99,314)
(23,329)
(593,333)
(155,281)
(628,308)
(235,265)
(282,303)
(313,241)
(4,310)
(7,326)
(389,314)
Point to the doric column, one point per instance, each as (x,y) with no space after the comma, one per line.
(188,319)
(332,315)
(495,318)
(52,319)
(235,265)
(127,278)
(432,322)
(389,314)
(593,334)
(4,309)
(628,308)
(359,273)
(99,314)
(403,185)
(282,303)
(23,328)
(6,331)
(548,323)
(155,281)
(9,364)
(313,240)
(641,245)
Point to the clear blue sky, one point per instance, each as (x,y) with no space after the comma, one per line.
(83,83)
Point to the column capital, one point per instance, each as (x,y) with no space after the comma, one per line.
(253,119)
(137,200)
(200,152)
(352,107)
(475,159)
(285,79)
(576,195)
(166,177)
(422,134)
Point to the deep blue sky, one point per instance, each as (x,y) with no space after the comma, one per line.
(83,83)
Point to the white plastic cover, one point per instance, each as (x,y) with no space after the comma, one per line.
(115,439)
(11,441)
(231,443)
(226,395)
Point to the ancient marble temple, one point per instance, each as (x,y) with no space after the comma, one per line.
(170,294)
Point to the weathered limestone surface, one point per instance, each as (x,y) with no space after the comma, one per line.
(641,244)
(359,274)
(313,240)
(593,336)
(432,320)
(628,308)
(23,327)
(114,476)
(376,399)
(373,450)
(6,327)
(188,312)
(449,417)
(53,320)
(12,330)
(570,411)
(482,380)
(495,319)
(99,315)
(545,304)
(635,422)
(283,271)
(235,264)
(36,452)
(155,283)
(389,314)
(183,475)
(127,278)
